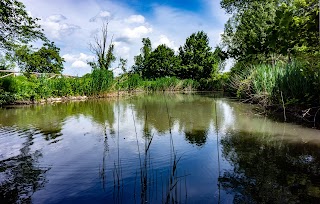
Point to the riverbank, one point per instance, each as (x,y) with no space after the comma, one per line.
(52,100)
(100,83)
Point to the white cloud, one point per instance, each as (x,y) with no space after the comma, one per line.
(78,60)
(79,64)
(135,19)
(80,56)
(56,18)
(103,15)
(54,27)
(163,39)
(122,50)
(136,32)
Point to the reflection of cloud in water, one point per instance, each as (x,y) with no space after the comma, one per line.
(226,113)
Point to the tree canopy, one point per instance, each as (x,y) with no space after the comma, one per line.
(141,60)
(16,25)
(161,63)
(45,60)
(259,29)
(197,60)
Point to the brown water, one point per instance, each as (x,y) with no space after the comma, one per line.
(156,149)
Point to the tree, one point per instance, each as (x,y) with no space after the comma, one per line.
(16,26)
(123,65)
(45,60)
(101,49)
(6,62)
(197,60)
(258,30)
(142,59)
(162,62)
(246,33)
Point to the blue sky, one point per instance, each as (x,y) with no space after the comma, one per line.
(71,24)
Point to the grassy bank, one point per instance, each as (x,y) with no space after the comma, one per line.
(32,88)
(288,87)
(96,84)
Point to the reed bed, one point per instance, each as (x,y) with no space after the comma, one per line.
(289,83)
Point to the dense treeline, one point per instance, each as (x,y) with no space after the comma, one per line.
(195,59)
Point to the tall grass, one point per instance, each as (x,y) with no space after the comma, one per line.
(135,82)
(290,83)
(34,88)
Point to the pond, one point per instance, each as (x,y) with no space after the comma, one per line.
(160,148)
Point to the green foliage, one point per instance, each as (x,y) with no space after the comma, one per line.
(217,83)
(16,26)
(6,62)
(123,64)
(259,30)
(135,82)
(34,88)
(141,60)
(170,84)
(129,81)
(162,62)
(197,60)
(101,80)
(46,60)
(292,83)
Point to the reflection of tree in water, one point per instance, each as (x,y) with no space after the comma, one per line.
(101,111)
(192,113)
(20,175)
(49,119)
(197,137)
(271,171)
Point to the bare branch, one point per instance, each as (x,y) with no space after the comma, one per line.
(101,49)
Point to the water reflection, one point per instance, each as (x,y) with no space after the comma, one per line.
(192,119)
(270,171)
(192,114)
(155,148)
(20,176)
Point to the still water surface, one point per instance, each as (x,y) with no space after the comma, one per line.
(156,149)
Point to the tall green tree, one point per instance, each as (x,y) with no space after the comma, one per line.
(16,26)
(246,32)
(197,60)
(45,60)
(162,62)
(141,60)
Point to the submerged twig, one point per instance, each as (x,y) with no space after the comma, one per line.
(284,108)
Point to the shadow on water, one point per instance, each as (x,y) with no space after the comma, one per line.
(270,171)
(20,176)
